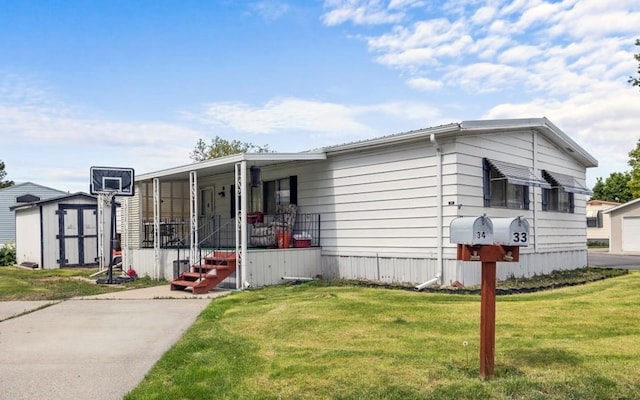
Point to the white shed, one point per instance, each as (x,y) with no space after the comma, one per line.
(57,232)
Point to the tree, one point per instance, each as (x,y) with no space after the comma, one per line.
(634,163)
(636,81)
(614,188)
(3,173)
(220,147)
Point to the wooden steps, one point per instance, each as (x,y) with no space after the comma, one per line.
(208,274)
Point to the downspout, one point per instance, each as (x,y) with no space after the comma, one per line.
(439,278)
(534,142)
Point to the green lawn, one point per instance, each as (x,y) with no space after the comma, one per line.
(318,341)
(56,284)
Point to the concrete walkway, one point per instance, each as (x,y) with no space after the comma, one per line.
(98,347)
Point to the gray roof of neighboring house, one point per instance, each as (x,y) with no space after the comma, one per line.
(8,197)
(622,206)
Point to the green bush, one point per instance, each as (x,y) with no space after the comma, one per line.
(8,254)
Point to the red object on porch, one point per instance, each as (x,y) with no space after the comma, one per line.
(255,217)
(284,239)
(301,242)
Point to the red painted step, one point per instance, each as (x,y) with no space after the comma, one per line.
(206,276)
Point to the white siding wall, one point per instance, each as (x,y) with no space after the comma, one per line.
(28,239)
(264,267)
(8,199)
(562,230)
(377,201)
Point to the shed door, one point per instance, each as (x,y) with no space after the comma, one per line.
(77,235)
(630,233)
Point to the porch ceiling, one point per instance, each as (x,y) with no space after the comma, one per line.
(226,164)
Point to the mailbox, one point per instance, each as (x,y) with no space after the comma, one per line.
(471,231)
(510,231)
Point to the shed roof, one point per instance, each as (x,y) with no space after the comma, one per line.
(54,200)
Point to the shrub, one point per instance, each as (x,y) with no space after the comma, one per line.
(8,254)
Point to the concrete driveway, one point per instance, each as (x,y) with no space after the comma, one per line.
(90,348)
(602,258)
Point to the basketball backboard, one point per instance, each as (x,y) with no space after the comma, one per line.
(112,180)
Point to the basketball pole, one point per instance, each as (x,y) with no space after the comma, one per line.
(111,238)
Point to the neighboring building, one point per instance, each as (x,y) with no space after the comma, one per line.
(58,232)
(625,227)
(21,193)
(599,223)
(383,206)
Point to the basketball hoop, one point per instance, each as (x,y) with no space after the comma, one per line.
(107,183)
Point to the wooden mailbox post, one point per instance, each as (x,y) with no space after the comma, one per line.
(489,241)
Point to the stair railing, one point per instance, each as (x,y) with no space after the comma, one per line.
(206,239)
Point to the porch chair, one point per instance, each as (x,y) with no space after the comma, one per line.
(266,234)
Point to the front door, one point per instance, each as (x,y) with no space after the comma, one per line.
(206,223)
(77,235)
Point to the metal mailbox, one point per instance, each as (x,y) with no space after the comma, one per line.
(471,231)
(510,231)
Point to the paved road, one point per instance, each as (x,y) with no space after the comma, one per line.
(89,349)
(602,258)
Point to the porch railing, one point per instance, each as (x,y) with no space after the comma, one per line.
(174,233)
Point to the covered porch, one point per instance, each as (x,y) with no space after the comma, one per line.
(245,203)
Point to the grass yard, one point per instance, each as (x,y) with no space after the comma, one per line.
(56,284)
(350,342)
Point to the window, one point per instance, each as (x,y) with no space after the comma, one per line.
(507,185)
(279,192)
(505,194)
(556,199)
(560,196)
(594,219)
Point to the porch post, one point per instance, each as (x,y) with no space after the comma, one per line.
(241,225)
(124,242)
(101,200)
(156,227)
(193,216)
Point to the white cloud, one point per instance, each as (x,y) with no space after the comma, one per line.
(269,10)
(519,54)
(361,12)
(282,114)
(483,15)
(309,117)
(486,77)
(424,84)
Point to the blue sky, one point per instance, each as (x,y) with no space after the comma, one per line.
(137,83)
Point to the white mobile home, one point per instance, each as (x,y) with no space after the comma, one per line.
(379,209)
(58,232)
(599,222)
(21,193)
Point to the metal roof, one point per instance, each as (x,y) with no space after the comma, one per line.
(542,125)
(225,164)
